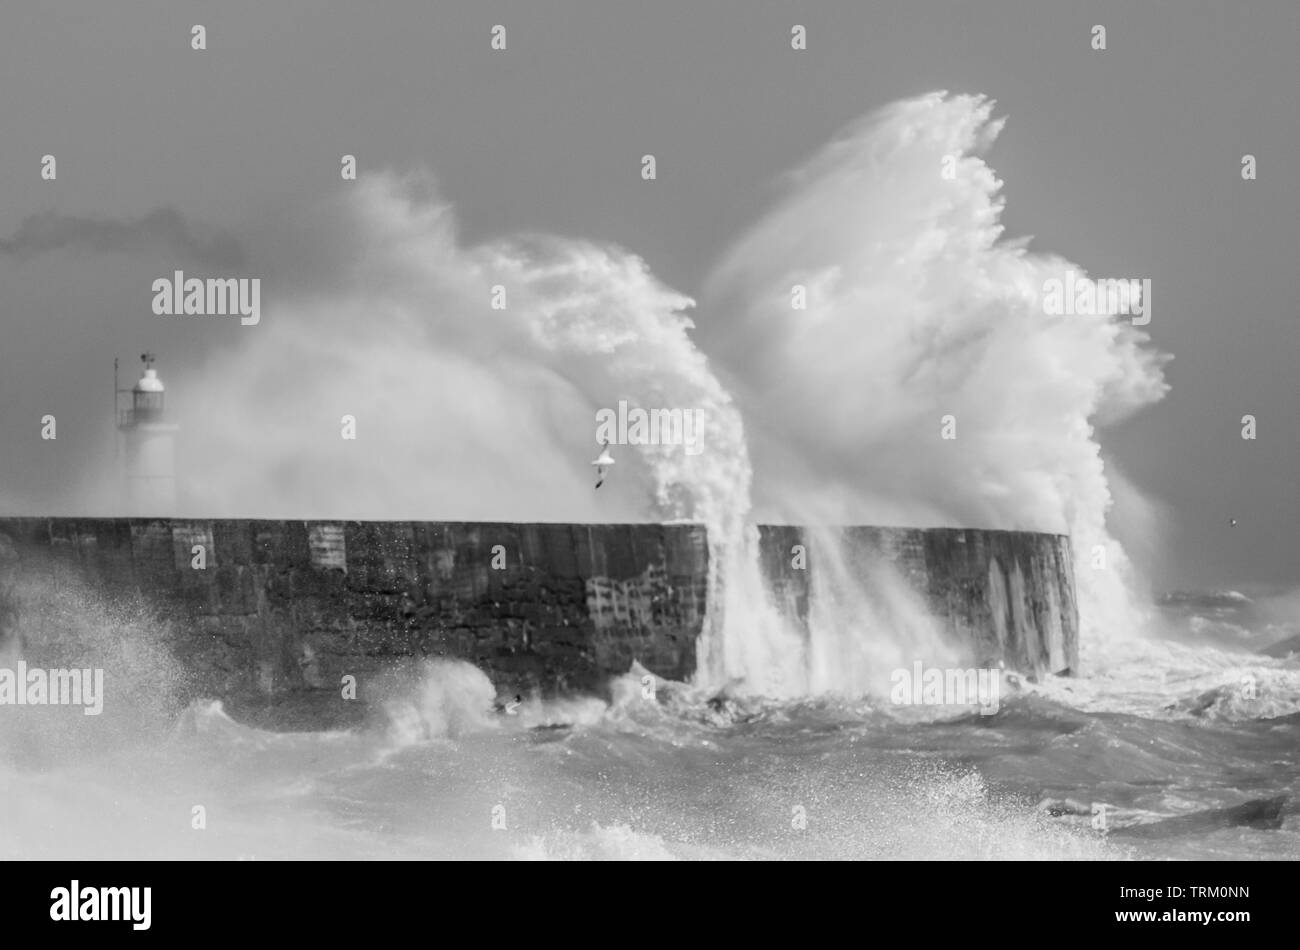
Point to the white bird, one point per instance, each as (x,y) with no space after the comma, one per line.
(602,463)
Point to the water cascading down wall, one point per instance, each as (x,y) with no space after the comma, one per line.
(268,610)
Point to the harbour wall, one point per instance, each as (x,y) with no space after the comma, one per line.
(266,610)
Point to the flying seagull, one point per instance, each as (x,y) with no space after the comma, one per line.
(602,463)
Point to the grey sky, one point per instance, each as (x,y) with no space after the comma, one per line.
(1126,161)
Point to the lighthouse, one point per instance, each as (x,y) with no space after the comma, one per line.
(146,445)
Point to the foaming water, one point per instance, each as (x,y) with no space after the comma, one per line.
(502,352)
(671,772)
(60,621)
(923,383)
(1158,678)
(636,783)
(746,644)
(865,622)
(449,699)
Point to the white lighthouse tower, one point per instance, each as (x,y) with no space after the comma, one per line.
(146,445)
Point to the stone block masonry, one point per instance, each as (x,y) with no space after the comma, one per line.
(287,608)
(1005,596)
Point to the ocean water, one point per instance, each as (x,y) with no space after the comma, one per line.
(1159,736)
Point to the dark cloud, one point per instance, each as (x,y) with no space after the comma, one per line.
(161,229)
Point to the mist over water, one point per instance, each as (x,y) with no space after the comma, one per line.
(53,619)
(463,411)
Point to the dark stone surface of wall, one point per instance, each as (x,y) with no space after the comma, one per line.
(285,607)
(1005,595)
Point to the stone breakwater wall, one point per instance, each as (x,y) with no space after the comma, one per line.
(1003,596)
(279,608)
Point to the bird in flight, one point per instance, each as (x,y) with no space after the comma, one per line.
(602,463)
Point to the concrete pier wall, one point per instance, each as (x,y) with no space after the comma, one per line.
(1004,596)
(274,608)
